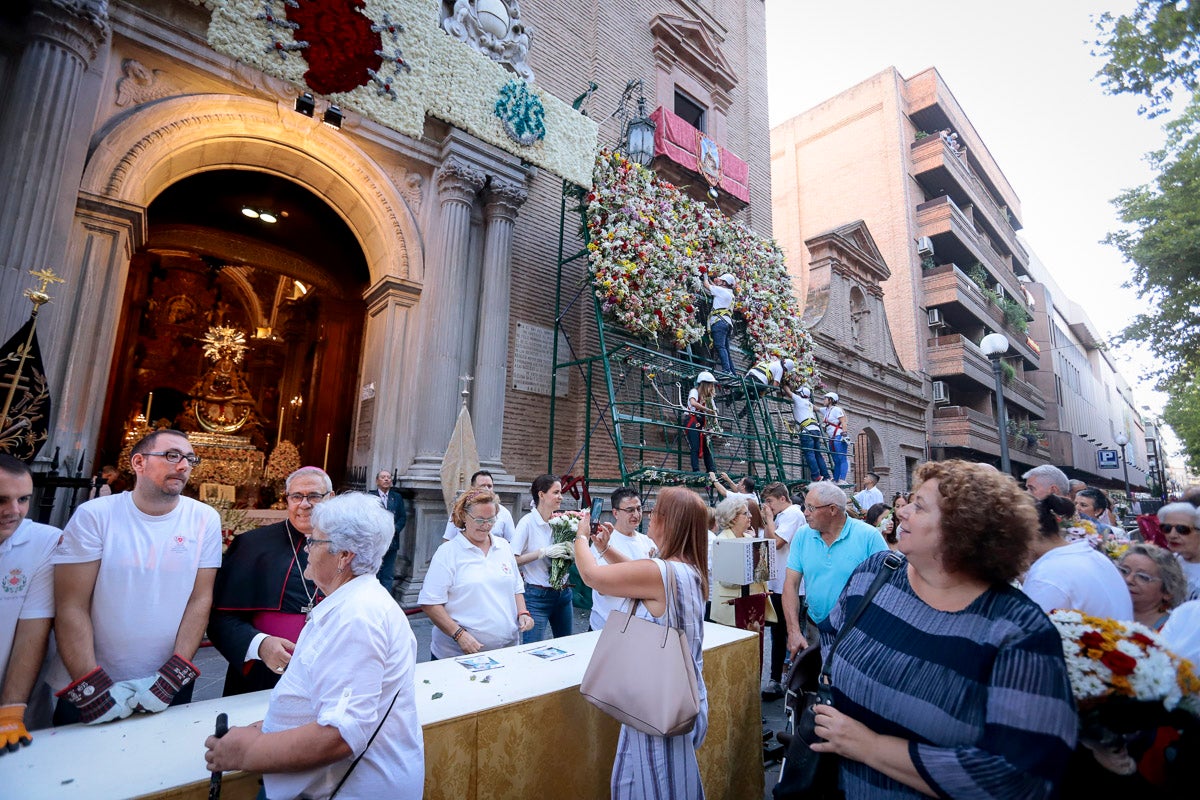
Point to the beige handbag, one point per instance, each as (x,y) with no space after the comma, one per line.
(642,674)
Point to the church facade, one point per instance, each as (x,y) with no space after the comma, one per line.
(180,191)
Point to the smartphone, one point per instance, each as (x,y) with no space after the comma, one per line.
(597,510)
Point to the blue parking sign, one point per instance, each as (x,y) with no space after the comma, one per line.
(1107,459)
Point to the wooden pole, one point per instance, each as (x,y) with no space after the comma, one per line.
(325,461)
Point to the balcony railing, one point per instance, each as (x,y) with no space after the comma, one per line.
(947,284)
(932,153)
(953,354)
(942,215)
(959,426)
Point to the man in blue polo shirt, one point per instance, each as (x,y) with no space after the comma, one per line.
(823,554)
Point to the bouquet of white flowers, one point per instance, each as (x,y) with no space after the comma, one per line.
(562,529)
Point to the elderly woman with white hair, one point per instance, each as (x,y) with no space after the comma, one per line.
(1180,524)
(345,710)
(734,522)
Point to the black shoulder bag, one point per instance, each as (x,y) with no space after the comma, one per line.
(804,773)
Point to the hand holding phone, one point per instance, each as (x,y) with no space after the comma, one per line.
(597,510)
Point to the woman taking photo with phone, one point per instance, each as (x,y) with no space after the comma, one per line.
(647,765)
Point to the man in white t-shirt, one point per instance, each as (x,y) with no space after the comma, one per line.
(616,543)
(504,527)
(26,606)
(837,432)
(727,488)
(133,582)
(870,495)
(788,519)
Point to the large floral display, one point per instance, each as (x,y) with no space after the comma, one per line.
(650,246)
(389,60)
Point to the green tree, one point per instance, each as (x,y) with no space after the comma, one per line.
(1153,51)
(1182,413)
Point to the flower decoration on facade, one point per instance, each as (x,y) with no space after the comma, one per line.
(650,245)
(389,60)
(521,113)
(221,342)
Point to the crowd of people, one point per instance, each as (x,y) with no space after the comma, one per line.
(951,682)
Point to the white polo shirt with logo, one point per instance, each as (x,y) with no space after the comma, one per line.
(26,581)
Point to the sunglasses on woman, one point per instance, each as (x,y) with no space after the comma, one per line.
(1182,530)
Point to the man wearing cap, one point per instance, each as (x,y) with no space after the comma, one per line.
(720,319)
(810,432)
(834,419)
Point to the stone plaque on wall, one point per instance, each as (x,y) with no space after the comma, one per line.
(533,360)
(366,422)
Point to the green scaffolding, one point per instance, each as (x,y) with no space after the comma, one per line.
(636,396)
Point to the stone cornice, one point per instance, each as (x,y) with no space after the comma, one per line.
(388,289)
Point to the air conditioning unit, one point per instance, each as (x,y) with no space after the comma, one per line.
(924,246)
(935,318)
(941,393)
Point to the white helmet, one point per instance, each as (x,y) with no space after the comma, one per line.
(729,278)
(832,396)
(805,391)
(788,364)
(705,377)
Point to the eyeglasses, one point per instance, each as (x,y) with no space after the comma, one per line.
(1143,578)
(630,510)
(745,512)
(1182,530)
(313,497)
(174,457)
(308,543)
(485,521)
(818,508)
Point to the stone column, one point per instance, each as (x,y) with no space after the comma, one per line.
(503,200)
(39,134)
(458,184)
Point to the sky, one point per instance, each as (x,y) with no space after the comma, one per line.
(1023,73)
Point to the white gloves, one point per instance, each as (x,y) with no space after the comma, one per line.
(563,550)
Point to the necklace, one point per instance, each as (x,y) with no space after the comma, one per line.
(308,607)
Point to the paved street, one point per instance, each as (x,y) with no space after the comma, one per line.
(212,667)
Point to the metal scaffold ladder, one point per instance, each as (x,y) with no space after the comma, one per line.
(635,396)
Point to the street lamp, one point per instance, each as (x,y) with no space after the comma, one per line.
(637,137)
(1122,440)
(995,345)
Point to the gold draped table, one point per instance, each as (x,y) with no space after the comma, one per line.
(527,732)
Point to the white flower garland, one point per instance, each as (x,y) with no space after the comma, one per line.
(447,78)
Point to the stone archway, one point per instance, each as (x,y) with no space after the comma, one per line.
(164,142)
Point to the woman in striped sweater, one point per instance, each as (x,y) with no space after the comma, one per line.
(953,683)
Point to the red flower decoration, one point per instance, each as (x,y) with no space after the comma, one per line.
(1118,662)
(341,44)
(1092,640)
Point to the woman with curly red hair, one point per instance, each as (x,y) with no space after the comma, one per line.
(952,683)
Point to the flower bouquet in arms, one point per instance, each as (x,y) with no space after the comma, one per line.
(1138,702)
(562,529)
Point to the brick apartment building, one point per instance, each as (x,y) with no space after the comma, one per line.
(901,155)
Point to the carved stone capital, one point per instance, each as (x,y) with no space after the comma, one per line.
(458,181)
(504,199)
(80,26)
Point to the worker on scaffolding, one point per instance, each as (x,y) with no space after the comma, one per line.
(810,432)
(700,406)
(771,372)
(720,319)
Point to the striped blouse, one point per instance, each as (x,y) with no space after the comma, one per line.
(981,694)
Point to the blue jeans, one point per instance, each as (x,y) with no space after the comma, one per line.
(722,329)
(387,569)
(837,449)
(550,608)
(696,440)
(813,457)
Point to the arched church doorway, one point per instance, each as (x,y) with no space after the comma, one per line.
(242,323)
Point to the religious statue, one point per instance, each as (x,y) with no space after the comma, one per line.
(221,400)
